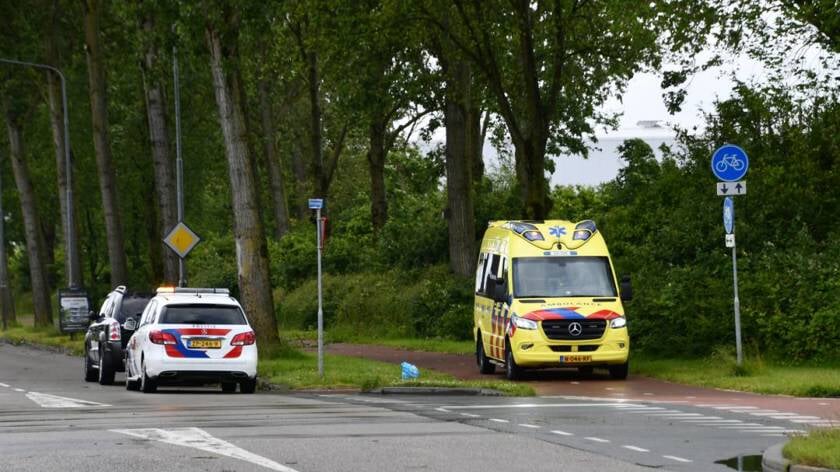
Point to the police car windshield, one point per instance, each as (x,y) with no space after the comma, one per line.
(202,314)
(562,277)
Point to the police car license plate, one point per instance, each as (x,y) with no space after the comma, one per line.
(574,359)
(205,343)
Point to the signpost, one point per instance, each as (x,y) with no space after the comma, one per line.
(730,164)
(317,204)
(73,308)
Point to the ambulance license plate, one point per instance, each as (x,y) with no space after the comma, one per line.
(205,344)
(575,359)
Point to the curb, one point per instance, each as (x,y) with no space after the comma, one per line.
(773,461)
(487,392)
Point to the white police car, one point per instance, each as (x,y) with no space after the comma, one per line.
(192,336)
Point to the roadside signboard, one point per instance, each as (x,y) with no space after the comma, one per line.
(730,240)
(728,215)
(730,163)
(316,203)
(73,308)
(181,240)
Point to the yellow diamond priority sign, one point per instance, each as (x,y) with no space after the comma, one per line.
(181,240)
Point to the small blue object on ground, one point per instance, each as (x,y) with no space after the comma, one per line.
(409,371)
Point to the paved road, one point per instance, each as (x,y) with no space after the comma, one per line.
(51,420)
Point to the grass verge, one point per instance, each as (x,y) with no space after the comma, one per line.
(820,448)
(45,337)
(754,376)
(448,346)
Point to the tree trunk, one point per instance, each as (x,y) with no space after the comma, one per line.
(275,170)
(7,303)
(530,174)
(167,209)
(35,246)
(251,250)
(72,270)
(461,149)
(376,164)
(102,144)
(301,179)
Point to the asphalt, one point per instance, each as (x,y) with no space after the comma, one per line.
(50,419)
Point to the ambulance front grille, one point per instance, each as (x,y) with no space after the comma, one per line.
(559,329)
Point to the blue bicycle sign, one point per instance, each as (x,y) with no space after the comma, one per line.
(730,163)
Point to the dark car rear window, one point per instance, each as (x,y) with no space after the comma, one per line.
(202,314)
(132,307)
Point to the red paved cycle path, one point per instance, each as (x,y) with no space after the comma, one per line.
(568,382)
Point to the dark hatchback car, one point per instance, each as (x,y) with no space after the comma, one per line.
(109,332)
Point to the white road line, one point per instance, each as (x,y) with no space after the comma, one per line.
(575,383)
(530,405)
(4,385)
(735,408)
(470,415)
(497,420)
(635,448)
(747,425)
(599,440)
(765,413)
(561,433)
(678,459)
(525,425)
(647,394)
(690,397)
(46,400)
(19,390)
(810,418)
(201,440)
(713,422)
(706,418)
(680,415)
(772,431)
(822,404)
(444,410)
(772,435)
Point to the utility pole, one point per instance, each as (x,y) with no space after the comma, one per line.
(73,270)
(179,163)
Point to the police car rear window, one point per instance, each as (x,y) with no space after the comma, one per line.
(202,314)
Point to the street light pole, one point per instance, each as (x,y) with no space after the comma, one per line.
(70,236)
(179,163)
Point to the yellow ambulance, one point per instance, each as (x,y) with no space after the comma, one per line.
(546,295)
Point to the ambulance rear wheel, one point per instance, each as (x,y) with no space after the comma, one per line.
(484,364)
(619,372)
(512,371)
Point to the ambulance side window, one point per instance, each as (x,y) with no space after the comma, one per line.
(491,266)
(479,273)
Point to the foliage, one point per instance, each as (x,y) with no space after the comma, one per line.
(819,448)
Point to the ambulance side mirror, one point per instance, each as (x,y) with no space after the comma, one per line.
(626,288)
(497,288)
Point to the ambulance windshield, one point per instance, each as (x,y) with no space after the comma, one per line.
(548,277)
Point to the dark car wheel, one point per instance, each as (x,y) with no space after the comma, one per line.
(228,387)
(106,368)
(248,386)
(147,384)
(90,373)
(484,364)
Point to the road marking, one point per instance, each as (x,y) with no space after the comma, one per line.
(444,410)
(531,405)
(635,448)
(686,415)
(648,394)
(201,440)
(19,390)
(561,433)
(707,418)
(46,400)
(775,431)
(532,426)
(497,420)
(810,418)
(470,415)
(600,440)
(690,397)
(820,403)
(4,385)
(575,383)
(677,458)
(735,408)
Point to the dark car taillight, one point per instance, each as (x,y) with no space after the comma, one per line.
(114,331)
(244,339)
(161,337)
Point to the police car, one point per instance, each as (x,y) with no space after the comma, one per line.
(192,336)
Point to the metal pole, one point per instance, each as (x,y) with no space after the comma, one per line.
(3,274)
(320,298)
(737,302)
(70,236)
(179,163)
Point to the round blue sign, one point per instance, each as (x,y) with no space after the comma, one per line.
(730,163)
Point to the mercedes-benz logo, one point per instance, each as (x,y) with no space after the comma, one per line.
(575,328)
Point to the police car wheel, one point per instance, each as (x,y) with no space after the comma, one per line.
(248,386)
(228,387)
(619,372)
(512,371)
(133,385)
(90,372)
(106,369)
(484,364)
(147,385)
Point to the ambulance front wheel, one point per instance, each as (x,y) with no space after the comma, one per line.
(484,364)
(619,372)
(512,371)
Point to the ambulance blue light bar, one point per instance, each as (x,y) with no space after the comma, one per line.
(584,230)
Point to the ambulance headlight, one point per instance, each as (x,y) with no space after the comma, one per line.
(523,323)
(619,322)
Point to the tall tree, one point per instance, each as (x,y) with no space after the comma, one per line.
(163,164)
(7,302)
(222,34)
(35,245)
(272,160)
(102,143)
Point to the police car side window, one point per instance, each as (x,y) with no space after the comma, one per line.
(148,313)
